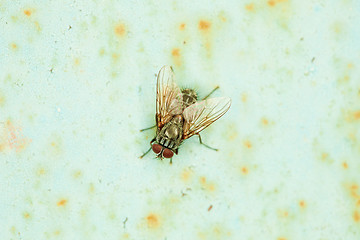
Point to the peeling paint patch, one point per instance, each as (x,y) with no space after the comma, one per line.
(11,137)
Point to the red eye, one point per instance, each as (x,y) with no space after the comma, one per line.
(156,148)
(167,153)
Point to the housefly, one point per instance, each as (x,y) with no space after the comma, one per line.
(180,116)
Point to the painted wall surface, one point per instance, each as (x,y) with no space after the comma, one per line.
(77,83)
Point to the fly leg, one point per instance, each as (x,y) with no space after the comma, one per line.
(148,150)
(147,128)
(215,149)
(216,88)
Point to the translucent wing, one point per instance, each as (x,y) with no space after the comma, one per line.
(201,114)
(168,97)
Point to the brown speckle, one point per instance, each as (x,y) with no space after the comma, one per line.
(152,220)
(204,25)
(210,207)
(62,202)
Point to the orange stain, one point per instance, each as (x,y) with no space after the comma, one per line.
(204,25)
(249,7)
(120,30)
(26,215)
(302,204)
(264,121)
(353,191)
(62,202)
(248,144)
(272,3)
(244,97)
(206,185)
(324,156)
(77,61)
(153,221)
(244,170)
(13,46)
(175,52)
(345,165)
(350,66)
(357,115)
(27,12)
(356,216)
(182,26)
(358,203)
(186,175)
(281,238)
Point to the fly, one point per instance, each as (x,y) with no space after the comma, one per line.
(179,114)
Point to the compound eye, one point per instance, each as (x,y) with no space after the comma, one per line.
(156,148)
(167,153)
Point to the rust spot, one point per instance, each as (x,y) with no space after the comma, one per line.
(302,203)
(182,26)
(281,238)
(204,25)
(345,165)
(249,7)
(28,12)
(62,202)
(247,144)
(152,220)
(120,30)
(244,170)
(210,207)
(353,191)
(356,216)
(358,203)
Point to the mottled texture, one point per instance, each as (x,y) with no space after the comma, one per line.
(77,84)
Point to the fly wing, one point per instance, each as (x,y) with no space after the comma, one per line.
(168,96)
(201,114)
